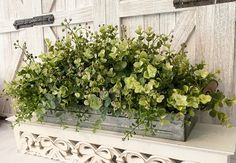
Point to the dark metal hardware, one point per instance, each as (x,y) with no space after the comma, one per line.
(224,1)
(194,3)
(211,87)
(37,20)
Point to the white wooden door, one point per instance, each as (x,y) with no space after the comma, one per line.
(209,31)
(9,57)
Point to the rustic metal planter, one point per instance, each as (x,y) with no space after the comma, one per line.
(176,130)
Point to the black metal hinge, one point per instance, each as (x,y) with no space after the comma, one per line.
(193,3)
(37,20)
(224,1)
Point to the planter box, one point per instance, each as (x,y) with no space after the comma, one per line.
(177,130)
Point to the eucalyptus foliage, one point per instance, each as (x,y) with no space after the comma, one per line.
(140,78)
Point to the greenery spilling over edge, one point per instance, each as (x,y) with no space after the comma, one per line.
(140,78)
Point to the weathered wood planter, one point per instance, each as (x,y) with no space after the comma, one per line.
(176,130)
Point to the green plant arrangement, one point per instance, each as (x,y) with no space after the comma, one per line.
(140,78)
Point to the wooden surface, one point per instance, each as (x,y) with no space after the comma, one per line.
(209,32)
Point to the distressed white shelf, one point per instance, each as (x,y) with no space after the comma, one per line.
(206,144)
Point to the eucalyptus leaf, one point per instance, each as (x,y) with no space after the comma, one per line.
(94,102)
(151,71)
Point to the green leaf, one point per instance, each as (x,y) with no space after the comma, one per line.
(86,102)
(230,102)
(158,58)
(101,54)
(114,49)
(191,113)
(88,54)
(204,98)
(185,88)
(168,66)
(146,75)
(201,73)
(117,88)
(77,94)
(50,97)
(113,55)
(138,64)
(222,117)
(107,102)
(139,30)
(138,88)
(116,104)
(28,76)
(77,62)
(144,55)
(193,102)
(102,29)
(123,46)
(52,104)
(129,82)
(148,87)
(195,91)
(143,101)
(164,122)
(94,102)
(160,98)
(86,76)
(111,73)
(63,91)
(120,65)
(178,101)
(151,71)
(97,125)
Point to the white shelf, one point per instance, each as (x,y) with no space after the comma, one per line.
(206,144)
